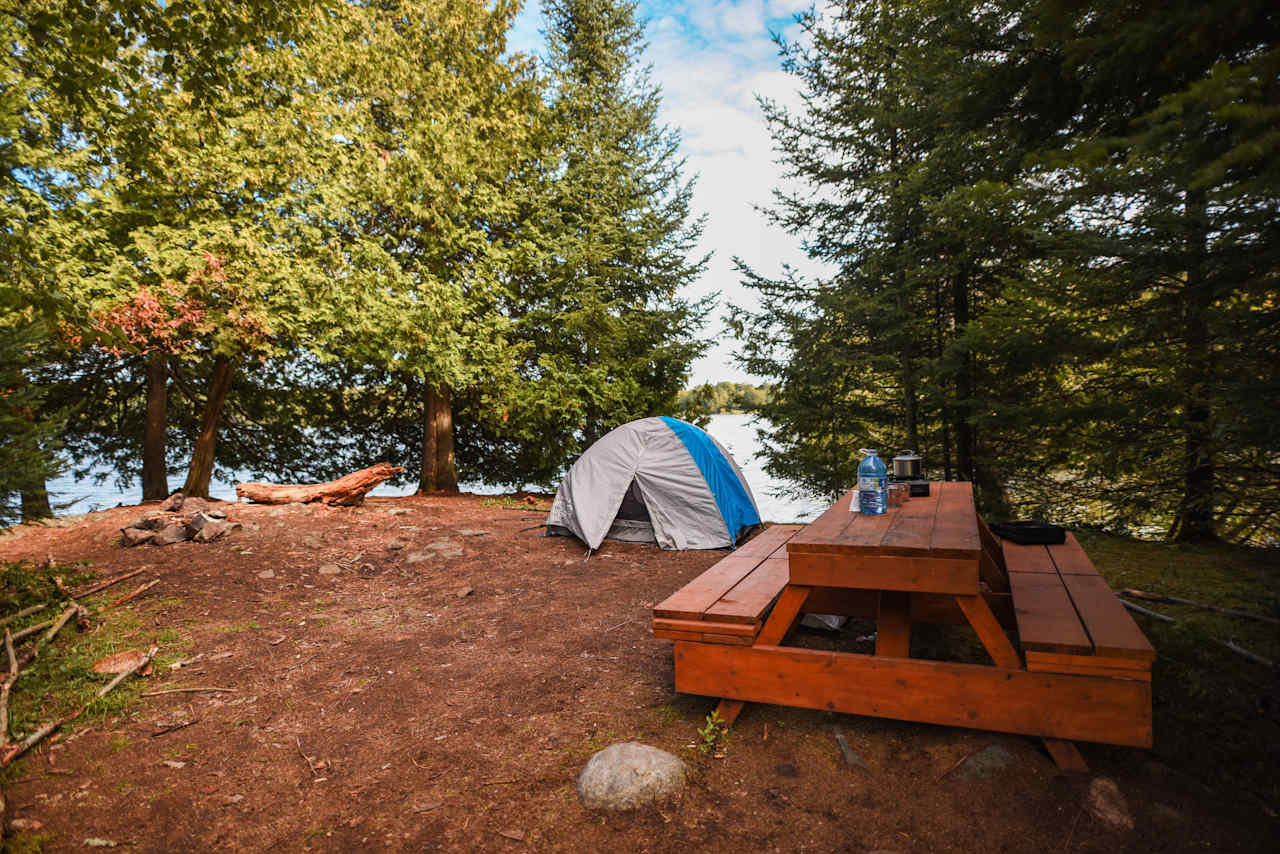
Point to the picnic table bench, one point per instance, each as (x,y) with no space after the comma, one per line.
(1067,661)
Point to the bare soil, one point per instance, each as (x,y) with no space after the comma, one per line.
(446,699)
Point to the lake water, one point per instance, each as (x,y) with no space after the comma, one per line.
(735,432)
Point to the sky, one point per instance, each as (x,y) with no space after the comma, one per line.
(711,59)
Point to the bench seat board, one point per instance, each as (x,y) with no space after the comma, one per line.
(1070,558)
(749,630)
(699,637)
(1052,705)
(1112,630)
(1047,620)
(691,601)
(1019,558)
(1048,659)
(753,595)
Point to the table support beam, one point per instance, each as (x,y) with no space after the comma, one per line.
(893,624)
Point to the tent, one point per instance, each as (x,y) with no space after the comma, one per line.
(655,480)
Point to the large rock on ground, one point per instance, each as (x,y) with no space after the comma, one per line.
(1107,804)
(628,776)
(170,534)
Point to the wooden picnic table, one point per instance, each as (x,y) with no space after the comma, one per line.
(930,560)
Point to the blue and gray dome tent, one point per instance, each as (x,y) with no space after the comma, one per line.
(655,480)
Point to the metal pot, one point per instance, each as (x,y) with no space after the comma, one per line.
(907,466)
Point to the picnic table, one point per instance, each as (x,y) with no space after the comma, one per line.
(1067,662)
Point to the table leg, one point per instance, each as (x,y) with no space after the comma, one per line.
(1066,755)
(979,615)
(783,616)
(893,624)
(728,710)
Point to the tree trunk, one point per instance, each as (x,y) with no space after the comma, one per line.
(155,481)
(35,504)
(964,382)
(201,470)
(438,471)
(1194,521)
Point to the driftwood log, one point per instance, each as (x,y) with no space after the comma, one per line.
(346,491)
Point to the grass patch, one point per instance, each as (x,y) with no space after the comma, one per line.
(62,678)
(1217,715)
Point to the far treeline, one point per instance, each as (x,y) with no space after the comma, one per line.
(708,399)
(1055,240)
(296,237)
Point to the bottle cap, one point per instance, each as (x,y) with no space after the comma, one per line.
(867,451)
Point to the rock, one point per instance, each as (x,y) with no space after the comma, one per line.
(367,569)
(266,574)
(198,521)
(472,532)
(395,546)
(312,542)
(627,776)
(135,536)
(464,592)
(170,534)
(852,758)
(216,514)
(419,557)
(173,503)
(212,529)
(329,569)
(986,762)
(25,824)
(444,548)
(174,763)
(152,521)
(1107,804)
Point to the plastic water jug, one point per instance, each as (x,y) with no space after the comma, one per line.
(872,483)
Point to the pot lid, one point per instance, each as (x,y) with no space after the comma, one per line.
(907,456)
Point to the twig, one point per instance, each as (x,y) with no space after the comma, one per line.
(128,596)
(1138,609)
(1236,648)
(504,782)
(304,756)
(1176,600)
(7,687)
(173,728)
(98,588)
(61,621)
(620,625)
(190,691)
(24,612)
(16,750)
(958,763)
(299,664)
(532,527)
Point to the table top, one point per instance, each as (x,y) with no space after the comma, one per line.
(942,524)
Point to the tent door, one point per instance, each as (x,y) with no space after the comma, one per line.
(632,524)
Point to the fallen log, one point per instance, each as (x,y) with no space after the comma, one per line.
(346,491)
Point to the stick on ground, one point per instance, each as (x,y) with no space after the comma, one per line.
(7,687)
(1177,600)
(24,612)
(98,588)
(16,750)
(190,691)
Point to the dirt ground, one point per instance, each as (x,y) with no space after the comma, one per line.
(442,684)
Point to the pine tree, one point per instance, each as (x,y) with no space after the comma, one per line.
(597,307)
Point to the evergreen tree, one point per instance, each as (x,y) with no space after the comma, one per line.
(597,308)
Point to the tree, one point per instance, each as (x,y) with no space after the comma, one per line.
(604,333)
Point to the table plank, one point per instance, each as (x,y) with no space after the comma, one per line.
(1047,620)
(955,530)
(911,525)
(839,532)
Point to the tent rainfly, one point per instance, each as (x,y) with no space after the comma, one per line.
(655,480)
